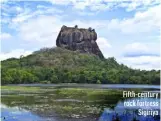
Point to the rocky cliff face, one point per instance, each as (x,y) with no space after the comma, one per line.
(78,39)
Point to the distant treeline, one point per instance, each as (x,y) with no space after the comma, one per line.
(56,65)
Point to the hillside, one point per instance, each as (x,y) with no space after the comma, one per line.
(57,65)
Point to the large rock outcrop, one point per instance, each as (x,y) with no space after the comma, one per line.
(79,39)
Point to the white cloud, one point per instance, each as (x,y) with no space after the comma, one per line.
(135,49)
(41,27)
(142,22)
(136,46)
(5,36)
(44,29)
(22,18)
(103,43)
(96,24)
(60,2)
(138,4)
(98,5)
(146,21)
(80,5)
(104,46)
(14,53)
(24,13)
(19,9)
(83,13)
(142,62)
(141,56)
(141,49)
(3,1)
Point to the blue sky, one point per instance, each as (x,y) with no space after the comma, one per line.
(127,30)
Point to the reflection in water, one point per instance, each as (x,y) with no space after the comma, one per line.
(65,105)
(17,114)
(149,110)
(107,86)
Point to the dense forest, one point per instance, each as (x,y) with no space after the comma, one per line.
(57,65)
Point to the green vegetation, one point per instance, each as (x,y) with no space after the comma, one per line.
(56,65)
(20,88)
(67,102)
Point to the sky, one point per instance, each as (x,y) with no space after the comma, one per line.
(128,30)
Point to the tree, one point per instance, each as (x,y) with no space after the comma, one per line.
(54,79)
(98,82)
(59,65)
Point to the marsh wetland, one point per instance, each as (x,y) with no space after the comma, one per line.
(60,103)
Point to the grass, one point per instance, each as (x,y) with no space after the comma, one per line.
(20,88)
(63,91)
(71,93)
(86,91)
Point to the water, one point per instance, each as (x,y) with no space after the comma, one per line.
(17,113)
(128,113)
(58,103)
(105,86)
